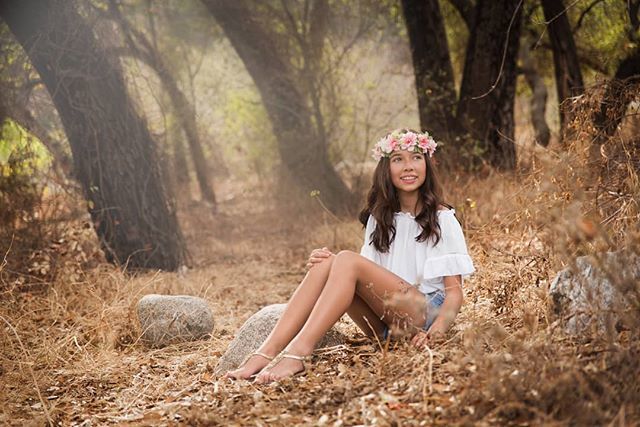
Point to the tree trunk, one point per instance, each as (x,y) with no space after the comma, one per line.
(432,66)
(619,92)
(113,153)
(183,108)
(565,59)
(301,149)
(487,93)
(180,164)
(538,96)
(617,96)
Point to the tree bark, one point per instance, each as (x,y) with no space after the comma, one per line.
(565,58)
(113,153)
(180,165)
(432,66)
(487,93)
(538,96)
(145,51)
(617,96)
(301,149)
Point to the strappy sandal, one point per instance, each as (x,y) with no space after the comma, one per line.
(284,354)
(246,359)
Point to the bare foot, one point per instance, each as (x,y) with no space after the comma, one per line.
(249,368)
(287,366)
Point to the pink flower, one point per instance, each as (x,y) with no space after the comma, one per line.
(409,141)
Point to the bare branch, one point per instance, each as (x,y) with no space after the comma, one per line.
(584,13)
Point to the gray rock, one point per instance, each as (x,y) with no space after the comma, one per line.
(256,329)
(169,319)
(585,296)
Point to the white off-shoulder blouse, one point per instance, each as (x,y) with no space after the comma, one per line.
(422,264)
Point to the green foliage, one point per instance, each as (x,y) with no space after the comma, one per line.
(602,33)
(457,36)
(20,153)
(247,131)
(21,159)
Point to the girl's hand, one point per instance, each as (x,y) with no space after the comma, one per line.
(317,256)
(422,339)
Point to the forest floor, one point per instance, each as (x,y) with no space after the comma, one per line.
(71,356)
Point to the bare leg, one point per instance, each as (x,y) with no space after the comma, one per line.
(366,319)
(293,318)
(352,274)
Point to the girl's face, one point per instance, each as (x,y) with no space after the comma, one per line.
(408,170)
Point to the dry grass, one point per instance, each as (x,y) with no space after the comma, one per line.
(70,353)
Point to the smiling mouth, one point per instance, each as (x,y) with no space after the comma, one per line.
(409,178)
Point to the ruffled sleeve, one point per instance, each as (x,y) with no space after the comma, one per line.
(450,256)
(368,250)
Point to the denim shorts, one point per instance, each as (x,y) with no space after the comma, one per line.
(434,302)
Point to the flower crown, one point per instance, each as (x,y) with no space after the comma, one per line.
(404,140)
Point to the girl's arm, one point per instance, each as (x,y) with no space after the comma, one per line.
(448,311)
(450,307)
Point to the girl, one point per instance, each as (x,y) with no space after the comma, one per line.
(407,277)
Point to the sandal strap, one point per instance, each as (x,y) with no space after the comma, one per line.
(287,355)
(261,354)
(255,353)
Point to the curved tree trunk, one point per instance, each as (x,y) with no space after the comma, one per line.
(301,149)
(538,96)
(143,50)
(432,66)
(565,59)
(180,165)
(487,93)
(113,153)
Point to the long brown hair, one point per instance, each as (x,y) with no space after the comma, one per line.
(383,203)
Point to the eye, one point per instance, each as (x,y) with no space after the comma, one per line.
(396,159)
(417,157)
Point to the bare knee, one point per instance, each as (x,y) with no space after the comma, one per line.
(344,256)
(346,259)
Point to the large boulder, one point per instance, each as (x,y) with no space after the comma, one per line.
(256,329)
(585,296)
(169,319)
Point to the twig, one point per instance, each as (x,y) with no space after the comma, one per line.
(33,375)
(430,370)
(382,348)
(6,254)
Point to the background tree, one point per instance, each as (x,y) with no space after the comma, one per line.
(433,71)
(296,122)
(114,155)
(17,84)
(565,57)
(484,113)
(487,91)
(143,49)
(538,104)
